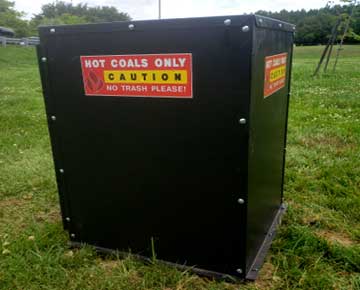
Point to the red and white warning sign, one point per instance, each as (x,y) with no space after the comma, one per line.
(275,73)
(138,75)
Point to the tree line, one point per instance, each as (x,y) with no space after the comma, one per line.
(313,26)
(56,13)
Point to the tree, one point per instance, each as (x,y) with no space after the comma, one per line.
(314,29)
(11,18)
(349,26)
(67,13)
(315,25)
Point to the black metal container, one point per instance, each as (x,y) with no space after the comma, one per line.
(171,132)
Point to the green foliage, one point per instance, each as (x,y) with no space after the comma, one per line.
(6,6)
(317,246)
(314,26)
(66,13)
(315,29)
(56,13)
(65,18)
(11,18)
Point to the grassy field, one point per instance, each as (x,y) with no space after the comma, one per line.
(317,246)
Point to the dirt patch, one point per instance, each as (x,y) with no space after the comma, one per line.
(327,141)
(17,212)
(52,215)
(11,203)
(311,219)
(116,267)
(335,237)
(109,265)
(12,213)
(12,207)
(267,277)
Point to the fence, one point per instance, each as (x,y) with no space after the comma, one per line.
(19,41)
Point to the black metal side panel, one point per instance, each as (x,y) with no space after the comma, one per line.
(143,168)
(50,108)
(267,136)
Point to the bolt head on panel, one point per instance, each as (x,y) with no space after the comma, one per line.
(245,28)
(227,22)
(241,201)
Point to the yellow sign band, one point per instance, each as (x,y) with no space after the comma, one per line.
(277,73)
(146,76)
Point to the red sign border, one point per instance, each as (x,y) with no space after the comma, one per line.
(134,96)
(286,66)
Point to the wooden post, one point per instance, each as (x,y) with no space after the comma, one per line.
(334,36)
(334,30)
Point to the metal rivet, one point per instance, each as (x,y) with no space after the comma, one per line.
(43,59)
(53,118)
(245,28)
(260,20)
(67,219)
(239,271)
(72,235)
(131,26)
(61,170)
(242,121)
(294,28)
(280,25)
(52,30)
(227,22)
(241,201)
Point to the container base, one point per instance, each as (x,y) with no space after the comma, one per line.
(261,255)
(251,275)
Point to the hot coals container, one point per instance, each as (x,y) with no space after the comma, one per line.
(169,136)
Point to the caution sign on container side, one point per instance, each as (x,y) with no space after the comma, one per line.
(138,75)
(275,73)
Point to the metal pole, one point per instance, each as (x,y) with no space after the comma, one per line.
(343,36)
(159,9)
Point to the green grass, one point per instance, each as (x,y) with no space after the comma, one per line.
(317,246)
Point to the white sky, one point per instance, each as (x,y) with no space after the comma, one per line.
(148,9)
